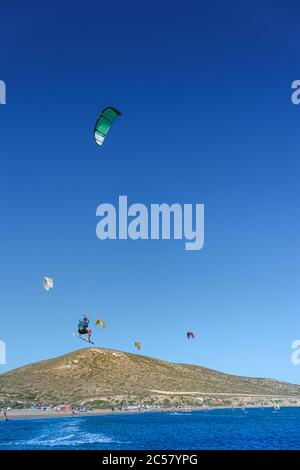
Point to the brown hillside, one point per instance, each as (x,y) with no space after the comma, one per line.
(104,377)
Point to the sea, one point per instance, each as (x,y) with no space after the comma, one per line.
(196,430)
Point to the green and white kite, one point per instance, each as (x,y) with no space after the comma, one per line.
(104,123)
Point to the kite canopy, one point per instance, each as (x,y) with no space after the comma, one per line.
(101,323)
(104,123)
(48,283)
(190,335)
(138,344)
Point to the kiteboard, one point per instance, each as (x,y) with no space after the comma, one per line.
(83,339)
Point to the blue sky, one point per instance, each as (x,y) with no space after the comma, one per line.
(204,90)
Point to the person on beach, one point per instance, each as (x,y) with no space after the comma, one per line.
(5,415)
(83,327)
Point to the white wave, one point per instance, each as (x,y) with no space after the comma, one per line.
(70,440)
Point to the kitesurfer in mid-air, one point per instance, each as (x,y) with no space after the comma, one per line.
(83,327)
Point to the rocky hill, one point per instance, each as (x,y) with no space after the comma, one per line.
(103,377)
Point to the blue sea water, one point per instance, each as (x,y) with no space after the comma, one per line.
(214,429)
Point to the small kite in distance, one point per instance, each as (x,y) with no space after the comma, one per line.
(48,283)
(100,323)
(190,335)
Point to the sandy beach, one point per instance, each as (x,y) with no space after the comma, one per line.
(30,414)
(34,414)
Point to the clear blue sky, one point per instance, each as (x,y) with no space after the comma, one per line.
(204,88)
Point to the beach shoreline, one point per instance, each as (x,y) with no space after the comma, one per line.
(34,414)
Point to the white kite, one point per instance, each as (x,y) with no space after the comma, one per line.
(48,283)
